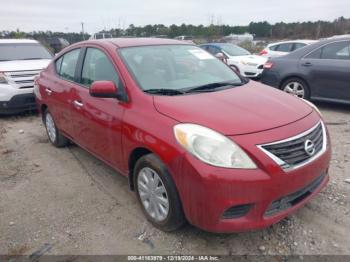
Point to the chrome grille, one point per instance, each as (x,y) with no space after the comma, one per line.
(293,152)
(22,79)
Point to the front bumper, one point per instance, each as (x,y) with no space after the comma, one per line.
(251,71)
(207,192)
(18,103)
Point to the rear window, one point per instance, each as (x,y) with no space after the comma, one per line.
(285,47)
(27,51)
(273,47)
(298,45)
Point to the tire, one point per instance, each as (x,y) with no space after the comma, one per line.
(168,219)
(297,87)
(54,135)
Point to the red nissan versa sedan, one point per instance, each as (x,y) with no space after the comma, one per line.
(196,140)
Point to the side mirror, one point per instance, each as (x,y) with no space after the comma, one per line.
(104,89)
(222,57)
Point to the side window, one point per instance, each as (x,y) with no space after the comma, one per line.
(97,67)
(69,64)
(285,47)
(298,46)
(58,64)
(339,50)
(315,54)
(273,47)
(213,50)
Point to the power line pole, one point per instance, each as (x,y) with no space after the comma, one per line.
(82,29)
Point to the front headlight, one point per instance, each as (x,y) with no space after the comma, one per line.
(211,147)
(2,78)
(313,106)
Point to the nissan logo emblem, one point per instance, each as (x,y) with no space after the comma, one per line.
(309,147)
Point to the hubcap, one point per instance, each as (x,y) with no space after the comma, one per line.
(153,194)
(50,127)
(295,88)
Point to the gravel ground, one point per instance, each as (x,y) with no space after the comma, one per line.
(65,201)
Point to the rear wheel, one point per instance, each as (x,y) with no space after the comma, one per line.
(157,194)
(55,137)
(296,87)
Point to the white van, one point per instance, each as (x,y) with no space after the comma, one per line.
(20,61)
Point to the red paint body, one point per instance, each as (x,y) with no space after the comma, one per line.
(250,115)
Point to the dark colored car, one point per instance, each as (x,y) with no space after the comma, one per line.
(197,141)
(320,71)
(57,43)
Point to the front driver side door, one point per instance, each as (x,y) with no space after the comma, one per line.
(97,121)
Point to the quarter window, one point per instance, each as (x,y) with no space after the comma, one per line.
(273,47)
(284,47)
(68,64)
(97,67)
(298,46)
(315,54)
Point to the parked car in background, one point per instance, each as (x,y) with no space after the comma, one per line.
(186,38)
(194,138)
(320,71)
(101,36)
(57,44)
(20,61)
(241,60)
(284,48)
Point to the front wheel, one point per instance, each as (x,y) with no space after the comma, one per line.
(157,194)
(296,87)
(55,136)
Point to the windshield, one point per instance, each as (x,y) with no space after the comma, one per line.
(9,52)
(176,67)
(233,50)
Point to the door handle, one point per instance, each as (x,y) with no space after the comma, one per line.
(307,64)
(77,103)
(48,91)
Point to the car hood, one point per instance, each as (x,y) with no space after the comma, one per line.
(23,65)
(246,109)
(254,59)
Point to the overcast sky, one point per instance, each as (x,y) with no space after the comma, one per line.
(66,15)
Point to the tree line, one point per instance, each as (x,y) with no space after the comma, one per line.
(261,30)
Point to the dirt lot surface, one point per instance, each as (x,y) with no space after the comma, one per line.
(65,201)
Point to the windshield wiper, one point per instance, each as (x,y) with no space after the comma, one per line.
(162,91)
(213,86)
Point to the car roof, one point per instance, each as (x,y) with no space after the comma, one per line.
(17,41)
(310,48)
(305,41)
(132,42)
